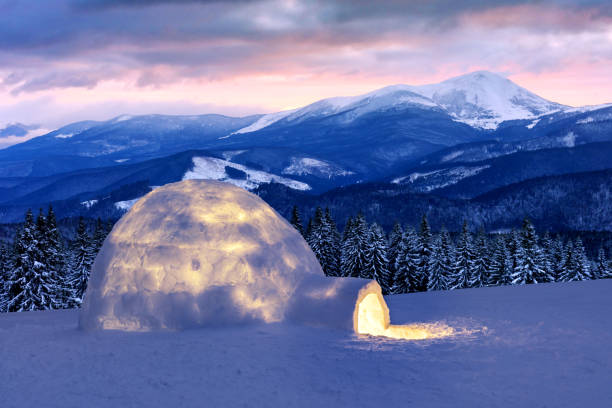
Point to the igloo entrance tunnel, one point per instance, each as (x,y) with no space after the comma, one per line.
(205,253)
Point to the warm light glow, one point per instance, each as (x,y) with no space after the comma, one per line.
(196,253)
(373,319)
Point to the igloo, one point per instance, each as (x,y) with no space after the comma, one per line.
(207,253)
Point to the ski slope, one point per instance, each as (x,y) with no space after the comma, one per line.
(532,346)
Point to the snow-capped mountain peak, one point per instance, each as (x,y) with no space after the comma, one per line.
(480,99)
(483,99)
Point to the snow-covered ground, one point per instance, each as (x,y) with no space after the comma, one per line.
(211,168)
(534,346)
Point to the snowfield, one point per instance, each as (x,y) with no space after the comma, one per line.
(210,168)
(532,346)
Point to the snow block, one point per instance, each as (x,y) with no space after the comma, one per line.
(198,253)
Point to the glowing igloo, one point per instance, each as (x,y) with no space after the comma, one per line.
(196,253)
(205,253)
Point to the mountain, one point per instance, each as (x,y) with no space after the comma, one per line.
(579,201)
(484,100)
(459,139)
(126,138)
(367,134)
(470,179)
(480,99)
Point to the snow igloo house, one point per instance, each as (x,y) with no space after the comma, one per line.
(201,253)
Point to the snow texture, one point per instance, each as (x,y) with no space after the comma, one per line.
(441,178)
(569,139)
(197,253)
(301,166)
(211,168)
(87,204)
(125,205)
(484,100)
(546,345)
(265,121)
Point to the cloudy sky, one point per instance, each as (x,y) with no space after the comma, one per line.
(66,60)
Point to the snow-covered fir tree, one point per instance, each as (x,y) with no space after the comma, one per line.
(296,220)
(308,230)
(315,235)
(54,255)
(99,236)
(465,260)
(377,266)
(602,268)
(582,262)
(82,259)
(354,248)
(500,270)
(441,263)
(576,267)
(530,260)
(395,238)
(516,249)
(5,266)
(419,280)
(29,285)
(331,246)
(557,254)
(547,248)
(406,263)
(482,261)
(324,241)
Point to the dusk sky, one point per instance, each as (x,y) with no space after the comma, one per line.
(68,60)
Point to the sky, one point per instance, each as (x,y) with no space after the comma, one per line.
(67,60)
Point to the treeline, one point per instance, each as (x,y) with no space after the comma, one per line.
(39,271)
(412,261)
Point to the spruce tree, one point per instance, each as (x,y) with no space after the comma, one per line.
(308,229)
(602,270)
(465,261)
(54,254)
(29,285)
(567,270)
(5,265)
(576,267)
(377,266)
(482,262)
(500,272)
(82,260)
(395,239)
(582,262)
(515,246)
(354,248)
(448,256)
(407,263)
(99,236)
(331,245)
(439,265)
(315,235)
(425,242)
(548,262)
(532,259)
(296,220)
(558,258)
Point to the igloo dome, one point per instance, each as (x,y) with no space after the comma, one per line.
(196,253)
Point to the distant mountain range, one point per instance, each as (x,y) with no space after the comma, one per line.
(458,139)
